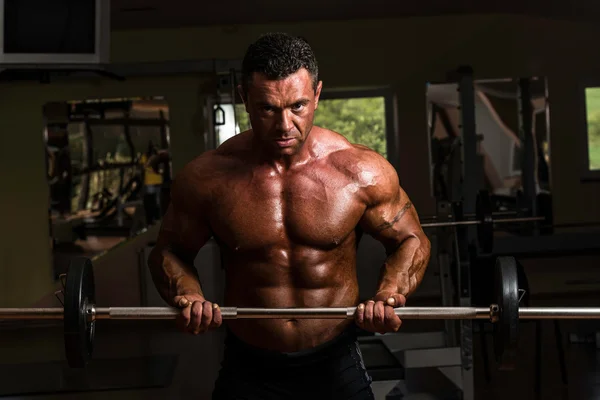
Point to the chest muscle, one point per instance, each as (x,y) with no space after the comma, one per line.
(316,210)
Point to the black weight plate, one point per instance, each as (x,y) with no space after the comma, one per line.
(79,294)
(485,228)
(506,329)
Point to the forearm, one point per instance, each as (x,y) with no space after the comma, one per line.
(403,269)
(173,275)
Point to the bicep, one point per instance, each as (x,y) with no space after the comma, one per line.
(392,218)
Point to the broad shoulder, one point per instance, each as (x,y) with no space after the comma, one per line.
(236,147)
(369,170)
(213,164)
(201,169)
(195,183)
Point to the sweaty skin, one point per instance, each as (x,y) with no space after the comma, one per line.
(289,239)
(288,231)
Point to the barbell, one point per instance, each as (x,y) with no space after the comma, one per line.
(80,313)
(484,219)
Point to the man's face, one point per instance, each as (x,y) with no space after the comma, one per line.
(282,111)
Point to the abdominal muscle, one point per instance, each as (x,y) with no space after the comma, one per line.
(251,285)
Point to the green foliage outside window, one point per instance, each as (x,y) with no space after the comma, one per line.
(592,96)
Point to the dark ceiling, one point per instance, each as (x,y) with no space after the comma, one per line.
(136,14)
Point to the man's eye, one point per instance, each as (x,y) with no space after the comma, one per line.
(298,106)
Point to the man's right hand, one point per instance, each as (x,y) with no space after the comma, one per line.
(197,315)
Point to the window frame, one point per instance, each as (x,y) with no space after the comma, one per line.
(587,174)
(211,139)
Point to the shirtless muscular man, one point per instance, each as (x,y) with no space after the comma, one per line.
(287,202)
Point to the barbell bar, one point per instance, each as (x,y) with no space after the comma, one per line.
(165,313)
(495,214)
(80,313)
(476,222)
(485,221)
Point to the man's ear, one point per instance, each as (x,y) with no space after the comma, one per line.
(318,93)
(243,96)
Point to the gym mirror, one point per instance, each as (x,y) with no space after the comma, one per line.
(109,172)
(501,127)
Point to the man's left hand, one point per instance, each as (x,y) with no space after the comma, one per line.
(377,315)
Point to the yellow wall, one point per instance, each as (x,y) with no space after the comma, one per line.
(404,53)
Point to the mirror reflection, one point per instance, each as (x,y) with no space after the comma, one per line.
(501,126)
(108,170)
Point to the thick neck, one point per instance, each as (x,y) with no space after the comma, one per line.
(284,162)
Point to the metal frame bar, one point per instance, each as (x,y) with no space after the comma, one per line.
(165,144)
(89,157)
(466,236)
(528,160)
(123,121)
(445,255)
(127,133)
(122,71)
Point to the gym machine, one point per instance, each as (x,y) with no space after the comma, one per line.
(458,174)
(458,183)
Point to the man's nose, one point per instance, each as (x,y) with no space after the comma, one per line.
(285,124)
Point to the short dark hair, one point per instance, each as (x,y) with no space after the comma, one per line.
(278,55)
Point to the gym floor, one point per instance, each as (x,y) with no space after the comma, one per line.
(118,343)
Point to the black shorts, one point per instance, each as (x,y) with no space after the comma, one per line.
(332,370)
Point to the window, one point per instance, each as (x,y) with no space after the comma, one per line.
(592,105)
(361,120)
(228,129)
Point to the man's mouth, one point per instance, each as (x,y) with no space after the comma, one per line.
(284,142)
